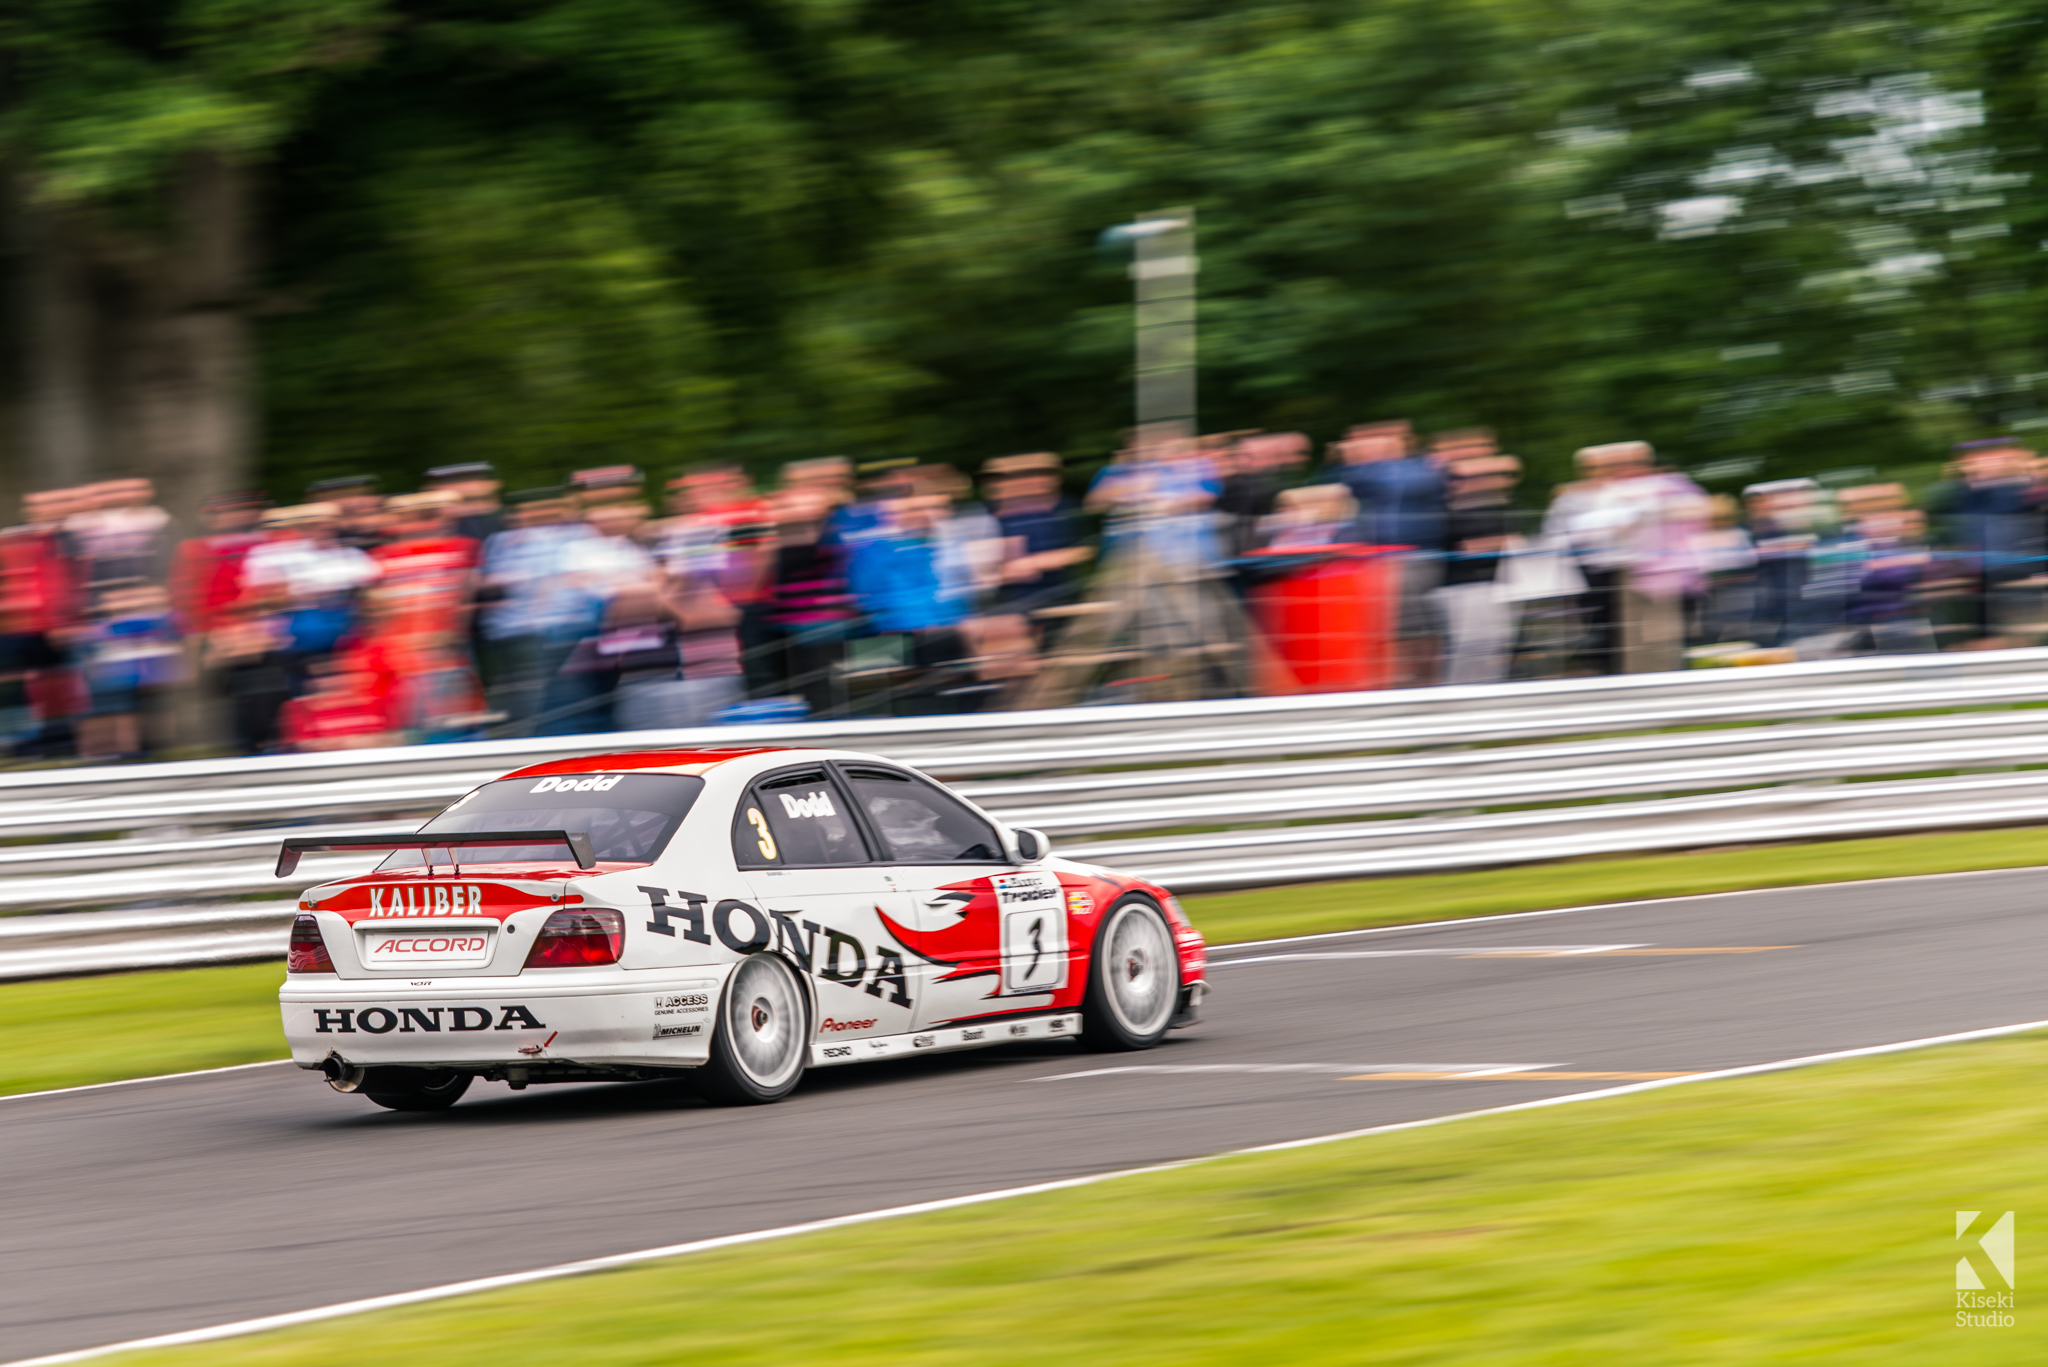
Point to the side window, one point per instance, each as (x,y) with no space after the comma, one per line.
(922,824)
(795,821)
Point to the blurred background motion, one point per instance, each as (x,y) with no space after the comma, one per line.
(387,370)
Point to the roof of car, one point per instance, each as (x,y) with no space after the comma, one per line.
(678,761)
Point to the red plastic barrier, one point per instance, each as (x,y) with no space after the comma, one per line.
(1329,624)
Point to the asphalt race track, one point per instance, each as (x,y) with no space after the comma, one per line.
(170,1205)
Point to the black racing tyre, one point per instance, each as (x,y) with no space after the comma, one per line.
(1133,979)
(762,1040)
(415,1089)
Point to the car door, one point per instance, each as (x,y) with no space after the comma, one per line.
(824,900)
(993,936)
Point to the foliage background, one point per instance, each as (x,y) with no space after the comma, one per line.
(1776,237)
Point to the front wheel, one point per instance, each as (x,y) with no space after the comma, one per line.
(759,1047)
(1133,979)
(415,1089)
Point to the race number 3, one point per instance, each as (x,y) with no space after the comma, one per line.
(760,825)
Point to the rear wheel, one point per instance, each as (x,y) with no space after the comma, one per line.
(414,1089)
(1133,979)
(762,1040)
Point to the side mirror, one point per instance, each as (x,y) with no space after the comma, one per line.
(1032,845)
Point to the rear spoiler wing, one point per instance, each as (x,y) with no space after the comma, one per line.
(577,842)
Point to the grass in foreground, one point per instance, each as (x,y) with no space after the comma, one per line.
(79,1030)
(127,1025)
(1807,1215)
(1309,908)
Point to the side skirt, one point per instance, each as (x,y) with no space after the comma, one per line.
(825,1053)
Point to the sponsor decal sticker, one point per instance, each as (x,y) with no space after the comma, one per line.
(1080,902)
(421,898)
(967,1036)
(671,1031)
(809,805)
(682,1004)
(1017,890)
(1020,1030)
(407,1020)
(438,946)
(839,1025)
(570,783)
(435,899)
(923,1041)
(839,1051)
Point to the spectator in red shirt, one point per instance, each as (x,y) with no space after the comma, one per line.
(206,572)
(419,629)
(41,604)
(425,568)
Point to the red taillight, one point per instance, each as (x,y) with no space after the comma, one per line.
(575,939)
(307,952)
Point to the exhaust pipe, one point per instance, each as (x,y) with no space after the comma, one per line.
(342,1075)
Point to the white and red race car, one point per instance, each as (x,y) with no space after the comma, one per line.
(739,914)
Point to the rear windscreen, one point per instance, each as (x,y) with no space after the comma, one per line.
(628,817)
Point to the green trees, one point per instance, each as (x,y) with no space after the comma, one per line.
(384,234)
(132,133)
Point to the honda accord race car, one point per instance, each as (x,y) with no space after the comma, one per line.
(739,915)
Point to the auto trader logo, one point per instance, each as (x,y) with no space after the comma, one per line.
(1987,1262)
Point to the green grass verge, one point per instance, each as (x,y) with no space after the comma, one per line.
(126,1025)
(1308,908)
(1803,1216)
(78,1030)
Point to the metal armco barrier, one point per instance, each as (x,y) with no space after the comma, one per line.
(157,865)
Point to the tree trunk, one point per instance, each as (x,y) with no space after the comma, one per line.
(60,434)
(138,351)
(182,412)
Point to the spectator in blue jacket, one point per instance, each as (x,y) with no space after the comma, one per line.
(1401,501)
(895,573)
(1996,521)
(894,569)
(1400,490)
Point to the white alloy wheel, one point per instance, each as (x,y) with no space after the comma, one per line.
(1134,978)
(763,1035)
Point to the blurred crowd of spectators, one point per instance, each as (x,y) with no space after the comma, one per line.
(1186,569)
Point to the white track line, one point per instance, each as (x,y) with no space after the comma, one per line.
(434,1293)
(1315,1069)
(138,1081)
(1593,906)
(1433,952)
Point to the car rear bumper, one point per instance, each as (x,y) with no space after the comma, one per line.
(647,1020)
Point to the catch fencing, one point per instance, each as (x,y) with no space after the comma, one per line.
(165,864)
